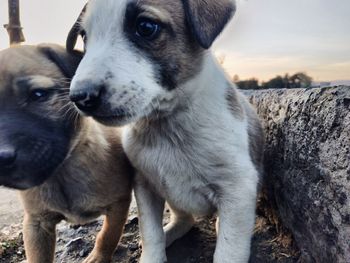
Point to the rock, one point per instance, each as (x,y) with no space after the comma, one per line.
(133,246)
(307,162)
(74,244)
(83,253)
(11,244)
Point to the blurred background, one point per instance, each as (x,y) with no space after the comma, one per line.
(265,39)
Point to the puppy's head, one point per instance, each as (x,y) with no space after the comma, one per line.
(140,52)
(37,119)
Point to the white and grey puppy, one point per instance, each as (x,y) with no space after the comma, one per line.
(194,139)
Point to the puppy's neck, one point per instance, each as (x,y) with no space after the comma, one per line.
(202,96)
(89,139)
(210,83)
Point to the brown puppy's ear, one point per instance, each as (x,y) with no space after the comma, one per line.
(207,18)
(66,62)
(75,32)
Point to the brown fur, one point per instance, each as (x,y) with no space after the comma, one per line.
(208,18)
(94,179)
(175,50)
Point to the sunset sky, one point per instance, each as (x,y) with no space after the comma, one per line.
(265,38)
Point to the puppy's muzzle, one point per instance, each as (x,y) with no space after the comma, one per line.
(92,98)
(88,97)
(8,157)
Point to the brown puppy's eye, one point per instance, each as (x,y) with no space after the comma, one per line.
(148,29)
(38,95)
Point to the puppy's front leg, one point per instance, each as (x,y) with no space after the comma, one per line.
(112,229)
(236,212)
(150,210)
(39,239)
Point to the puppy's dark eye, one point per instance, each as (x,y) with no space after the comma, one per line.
(147,28)
(38,95)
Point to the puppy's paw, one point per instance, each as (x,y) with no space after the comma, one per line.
(95,257)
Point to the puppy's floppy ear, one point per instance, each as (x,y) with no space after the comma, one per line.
(66,62)
(75,32)
(207,18)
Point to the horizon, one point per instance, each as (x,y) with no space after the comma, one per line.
(264,39)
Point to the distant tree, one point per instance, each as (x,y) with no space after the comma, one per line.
(248,84)
(286,80)
(300,80)
(275,83)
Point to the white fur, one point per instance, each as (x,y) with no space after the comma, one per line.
(198,160)
(182,177)
(132,84)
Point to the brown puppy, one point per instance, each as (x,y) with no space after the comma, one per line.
(68,167)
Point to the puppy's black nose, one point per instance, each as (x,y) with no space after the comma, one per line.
(7,157)
(88,98)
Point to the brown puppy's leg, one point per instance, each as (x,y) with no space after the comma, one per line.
(112,229)
(39,239)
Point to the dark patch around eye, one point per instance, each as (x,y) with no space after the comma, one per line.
(175,55)
(133,15)
(23,83)
(166,68)
(28,88)
(39,95)
(132,11)
(147,28)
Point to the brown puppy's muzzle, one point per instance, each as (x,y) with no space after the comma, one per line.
(8,157)
(30,149)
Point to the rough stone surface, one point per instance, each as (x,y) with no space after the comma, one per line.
(308,166)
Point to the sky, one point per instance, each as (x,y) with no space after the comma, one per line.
(264,39)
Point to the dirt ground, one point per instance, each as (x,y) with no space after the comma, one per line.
(270,244)
(10,208)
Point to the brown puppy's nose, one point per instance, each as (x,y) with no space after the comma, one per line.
(7,157)
(88,98)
